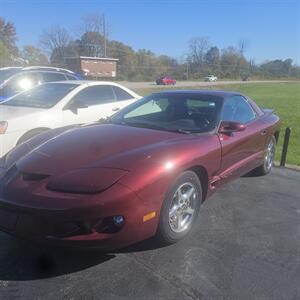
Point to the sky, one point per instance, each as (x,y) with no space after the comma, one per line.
(270,28)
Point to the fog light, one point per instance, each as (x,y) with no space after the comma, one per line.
(118,220)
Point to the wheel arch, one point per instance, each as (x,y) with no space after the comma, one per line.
(202,174)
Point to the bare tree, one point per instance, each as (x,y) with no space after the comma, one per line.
(56,40)
(34,56)
(198,47)
(8,36)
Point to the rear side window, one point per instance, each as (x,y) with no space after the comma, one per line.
(70,77)
(95,95)
(237,109)
(48,77)
(121,95)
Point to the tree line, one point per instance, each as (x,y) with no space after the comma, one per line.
(92,38)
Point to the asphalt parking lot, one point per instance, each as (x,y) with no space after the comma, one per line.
(246,245)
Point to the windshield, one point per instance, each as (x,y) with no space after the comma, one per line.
(5,74)
(183,113)
(43,96)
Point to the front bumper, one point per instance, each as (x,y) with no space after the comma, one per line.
(46,224)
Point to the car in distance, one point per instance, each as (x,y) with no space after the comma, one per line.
(57,104)
(15,79)
(144,172)
(246,78)
(211,78)
(165,80)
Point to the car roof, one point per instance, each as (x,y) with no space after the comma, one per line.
(46,68)
(88,82)
(218,93)
(37,69)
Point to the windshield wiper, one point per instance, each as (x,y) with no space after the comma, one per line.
(144,125)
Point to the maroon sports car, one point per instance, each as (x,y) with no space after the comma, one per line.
(144,172)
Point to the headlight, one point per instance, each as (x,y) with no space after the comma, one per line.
(86,181)
(3,126)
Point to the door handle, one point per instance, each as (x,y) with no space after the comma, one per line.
(263,132)
(115,109)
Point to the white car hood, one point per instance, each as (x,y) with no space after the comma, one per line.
(8,113)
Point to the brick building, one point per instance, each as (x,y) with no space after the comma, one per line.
(95,67)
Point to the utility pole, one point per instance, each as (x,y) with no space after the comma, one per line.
(104,34)
(187,70)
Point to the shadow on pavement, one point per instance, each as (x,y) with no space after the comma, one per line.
(24,261)
(21,261)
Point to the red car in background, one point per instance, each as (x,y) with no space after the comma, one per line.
(144,172)
(165,80)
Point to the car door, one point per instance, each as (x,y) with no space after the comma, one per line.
(90,104)
(123,98)
(241,151)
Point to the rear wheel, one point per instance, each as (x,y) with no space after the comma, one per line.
(180,208)
(269,158)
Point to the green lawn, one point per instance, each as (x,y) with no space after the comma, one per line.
(284,98)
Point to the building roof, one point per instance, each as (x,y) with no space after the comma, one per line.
(95,58)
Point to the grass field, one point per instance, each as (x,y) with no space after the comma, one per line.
(284,98)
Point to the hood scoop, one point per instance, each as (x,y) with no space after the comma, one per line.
(33,176)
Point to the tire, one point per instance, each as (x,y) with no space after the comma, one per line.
(27,136)
(175,208)
(266,167)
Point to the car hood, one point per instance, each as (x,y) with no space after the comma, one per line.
(13,112)
(103,146)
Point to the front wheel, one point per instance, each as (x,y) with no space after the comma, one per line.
(180,208)
(269,158)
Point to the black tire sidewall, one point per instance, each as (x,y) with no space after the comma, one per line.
(164,232)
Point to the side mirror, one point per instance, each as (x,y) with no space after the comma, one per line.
(74,106)
(228,127)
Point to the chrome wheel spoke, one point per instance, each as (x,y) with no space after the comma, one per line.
(179,222)
(173,211)
(180,196)
(189,193)
(190,211)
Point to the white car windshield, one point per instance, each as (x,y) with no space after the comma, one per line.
(43,96)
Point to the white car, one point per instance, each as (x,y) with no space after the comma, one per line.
(211,78)
(57,104)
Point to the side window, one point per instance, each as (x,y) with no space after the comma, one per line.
(48,77)
(95,95)
(237,109)
(70,77)
(21,82)
(121,95)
